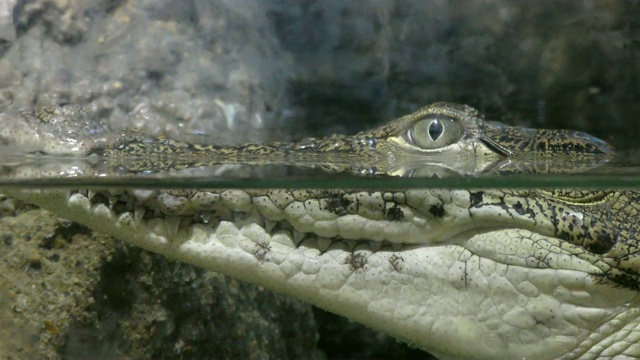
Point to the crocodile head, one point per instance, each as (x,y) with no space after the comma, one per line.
(463,273)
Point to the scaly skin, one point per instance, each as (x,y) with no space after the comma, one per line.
(486,273)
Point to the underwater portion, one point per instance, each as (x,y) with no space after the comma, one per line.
(401,116)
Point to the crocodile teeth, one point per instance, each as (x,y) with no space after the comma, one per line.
(129,205)
(173,223)
(269,225)
(206,217)
(351,244)
(396,246)
(138,213)
(112,201)
(298,236)
(324,243)
(309,243)
(375,245)
(91,194)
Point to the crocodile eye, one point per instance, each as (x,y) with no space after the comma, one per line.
(435,132)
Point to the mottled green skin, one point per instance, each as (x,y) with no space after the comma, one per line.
(375,151)
(605,228)
(501,139)
(597,226)
(553,235)
(604,223)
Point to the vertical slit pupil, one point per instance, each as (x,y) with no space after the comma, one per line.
(435,129)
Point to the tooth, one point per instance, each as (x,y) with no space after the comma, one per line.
(396,246)
(324,243)
(112,201)
(298,236)
(138,213)
(351,244)
(309,243)
(129,205)
(375,245)
(206,217)
(269,225)
(91,194)
(173,223)
(340,245)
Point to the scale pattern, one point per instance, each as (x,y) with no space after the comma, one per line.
(480,273)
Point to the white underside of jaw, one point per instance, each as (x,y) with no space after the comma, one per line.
(476,298)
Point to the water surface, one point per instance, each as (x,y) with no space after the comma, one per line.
(622,171)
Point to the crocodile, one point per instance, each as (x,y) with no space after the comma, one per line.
(462,273)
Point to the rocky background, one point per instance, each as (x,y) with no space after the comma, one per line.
(254,70)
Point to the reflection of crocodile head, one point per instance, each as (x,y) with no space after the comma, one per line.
(466,273)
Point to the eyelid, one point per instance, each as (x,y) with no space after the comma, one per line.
(408,136)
